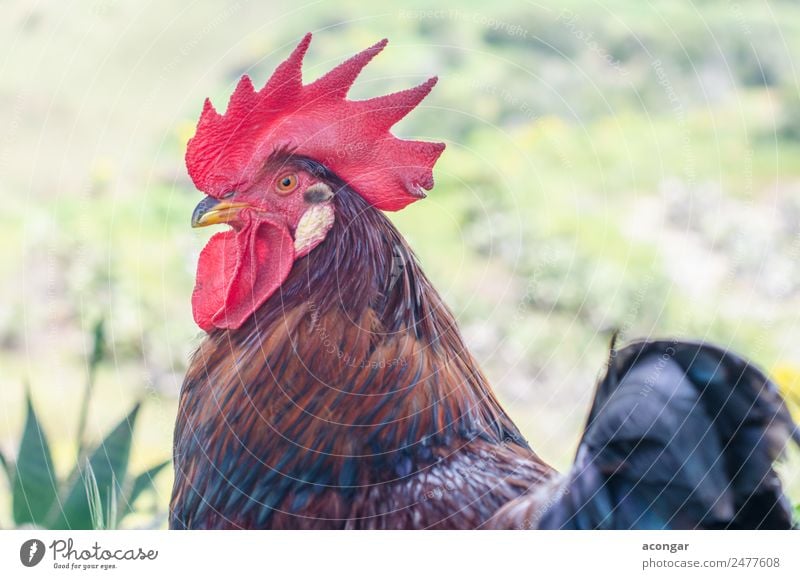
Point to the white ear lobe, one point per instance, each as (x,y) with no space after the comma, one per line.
(312,228)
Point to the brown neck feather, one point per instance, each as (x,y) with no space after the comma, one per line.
(355,354)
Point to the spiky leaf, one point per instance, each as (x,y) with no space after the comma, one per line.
(6,465)
(109,464)
(93,497)
(35,485)
(111,507)
(98,343)
(140,484)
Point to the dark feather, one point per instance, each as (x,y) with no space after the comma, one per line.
(680,435)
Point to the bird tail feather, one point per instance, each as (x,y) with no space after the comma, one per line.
(680,435)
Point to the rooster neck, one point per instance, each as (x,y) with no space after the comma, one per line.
(358,337)
(353,373)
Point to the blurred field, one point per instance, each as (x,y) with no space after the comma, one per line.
(629,165)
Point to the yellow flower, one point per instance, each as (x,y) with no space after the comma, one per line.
(185,131)
(787,377)
(102,170)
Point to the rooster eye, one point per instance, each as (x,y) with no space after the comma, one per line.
(287,183)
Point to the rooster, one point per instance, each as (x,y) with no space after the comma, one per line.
(334,390)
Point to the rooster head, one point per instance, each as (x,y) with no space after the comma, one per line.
(249,163)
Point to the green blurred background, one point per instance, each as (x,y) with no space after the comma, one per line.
(619,164)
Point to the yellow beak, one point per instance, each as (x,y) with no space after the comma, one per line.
(211,211)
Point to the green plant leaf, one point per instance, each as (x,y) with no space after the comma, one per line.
(111,509)
(140,484)
(101,520)
(98,352)
(93,497)
(797,514)
(6,467)
(35,486)
(98,343)
(109,465)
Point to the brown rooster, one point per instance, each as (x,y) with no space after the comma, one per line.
(334,389)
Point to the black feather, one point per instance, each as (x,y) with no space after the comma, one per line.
(680,435)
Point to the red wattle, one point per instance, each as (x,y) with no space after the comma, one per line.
(238,271)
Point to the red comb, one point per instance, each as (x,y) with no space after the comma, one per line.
(351,138)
